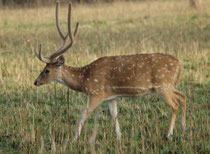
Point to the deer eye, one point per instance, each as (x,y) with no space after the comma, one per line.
(47,71)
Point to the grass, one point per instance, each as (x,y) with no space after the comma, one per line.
(40,120)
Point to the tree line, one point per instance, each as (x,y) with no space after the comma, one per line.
(194,3)
(44,2)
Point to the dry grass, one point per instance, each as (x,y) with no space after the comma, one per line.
(43,119)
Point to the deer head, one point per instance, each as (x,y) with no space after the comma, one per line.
(51,71)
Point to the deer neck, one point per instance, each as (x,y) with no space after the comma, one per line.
(72,77)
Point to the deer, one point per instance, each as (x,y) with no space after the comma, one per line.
(110,77)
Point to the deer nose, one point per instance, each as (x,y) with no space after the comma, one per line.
(35,82)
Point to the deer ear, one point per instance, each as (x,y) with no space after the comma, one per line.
(60,60)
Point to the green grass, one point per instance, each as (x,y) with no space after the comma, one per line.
(39,120)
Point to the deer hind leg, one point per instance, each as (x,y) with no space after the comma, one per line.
(182,100)
(93,102)
(113,111)
(169,98)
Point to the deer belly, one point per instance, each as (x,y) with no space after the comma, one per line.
(126,90)
(113,92)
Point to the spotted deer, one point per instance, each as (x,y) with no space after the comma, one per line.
(114,76)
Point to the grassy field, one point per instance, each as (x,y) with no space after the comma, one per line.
(41,120)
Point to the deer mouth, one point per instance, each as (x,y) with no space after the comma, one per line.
(37,84)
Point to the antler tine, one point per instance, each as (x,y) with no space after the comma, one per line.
(64,38)
(69,26)
(59,52)
(75,31)
(39,54)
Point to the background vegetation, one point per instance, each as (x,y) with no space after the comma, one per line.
(42,119)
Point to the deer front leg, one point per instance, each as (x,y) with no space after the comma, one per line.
(93,102)
(113,111)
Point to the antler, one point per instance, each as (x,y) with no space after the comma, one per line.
(64,38)
(62,49)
